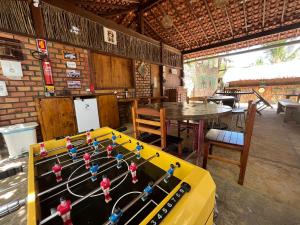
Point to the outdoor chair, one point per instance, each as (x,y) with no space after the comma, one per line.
(231,140)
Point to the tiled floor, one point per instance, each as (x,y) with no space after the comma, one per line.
(271,192)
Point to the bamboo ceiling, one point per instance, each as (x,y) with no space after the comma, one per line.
(198,23)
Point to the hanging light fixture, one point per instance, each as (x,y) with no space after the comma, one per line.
(167,21)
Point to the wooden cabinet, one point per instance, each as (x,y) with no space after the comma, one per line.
(108,111)
(112,72)
(56,117)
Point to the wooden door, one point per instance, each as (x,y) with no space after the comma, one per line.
(56,117)
(102,71)
(108,111)
(122,72)
(155,80)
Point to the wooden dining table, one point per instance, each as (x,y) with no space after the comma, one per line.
(200,112)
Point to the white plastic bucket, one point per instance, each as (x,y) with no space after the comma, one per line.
(19,137)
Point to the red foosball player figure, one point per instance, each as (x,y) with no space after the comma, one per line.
(89,138)
(133,168)
(69,145)
(43,151)
(87,158)
(109,150)
(57,171)
(105,186)
(64,210)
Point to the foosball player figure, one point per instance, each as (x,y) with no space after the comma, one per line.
(87,159)
(43,151)
(113,139)
(94,169)
(96,145)
(105,186)
(138,149)
(89,138)
(147,191)
(133,169)
(69,145)
(64,211)
(115,216)
(170,173)
(119,158)
(73,152)
(56,169)
(109,150)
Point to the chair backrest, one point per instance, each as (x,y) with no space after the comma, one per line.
(200,99)
(149,120)
(249,124)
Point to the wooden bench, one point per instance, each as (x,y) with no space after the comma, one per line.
(291,109)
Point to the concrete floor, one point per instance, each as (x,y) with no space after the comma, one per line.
(271,191)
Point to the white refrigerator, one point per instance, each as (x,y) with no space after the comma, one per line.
(86,114)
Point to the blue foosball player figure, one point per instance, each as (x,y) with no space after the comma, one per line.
(147,191)
(94,169)
(115,216)
(114,139)
(119,158)
(96,145)
(73,152)
(170,173)
(138,149)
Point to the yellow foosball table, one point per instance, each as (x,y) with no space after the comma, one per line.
(107,177)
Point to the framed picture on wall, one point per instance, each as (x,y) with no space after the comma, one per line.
(74,84)
(110,36)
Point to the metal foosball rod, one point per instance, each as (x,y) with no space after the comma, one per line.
(77,161)
(121,129)
(75,178)
(52,216)
(74,185)
(79,149)
(140,196)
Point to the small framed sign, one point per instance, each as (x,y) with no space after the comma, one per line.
(110,36)
(41,45)
(73,73)
(70,55)
(71,65)
(74,84)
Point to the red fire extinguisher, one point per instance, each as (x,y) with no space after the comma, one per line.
(47,72)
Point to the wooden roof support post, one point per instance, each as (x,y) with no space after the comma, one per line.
(161,70)
(140,21)
(38,20)
(283,10)
(263,14)
(245,15)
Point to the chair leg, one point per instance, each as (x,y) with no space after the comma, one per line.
(179,147)
(178,128)
(242,169)
(187,128)
(205,155)
(210,149)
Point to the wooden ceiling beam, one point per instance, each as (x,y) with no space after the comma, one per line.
(149,4)
(283,10)
(183,21)
(180,34)
(264,14)
(211,18)
(152,28)
(245,15)
(119,12)
(196,18)
(245,38)
(231,30)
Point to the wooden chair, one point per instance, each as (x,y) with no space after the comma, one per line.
(233,141)
(153,122)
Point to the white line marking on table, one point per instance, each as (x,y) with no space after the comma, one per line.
(140,211)
(132,192)
(162,189)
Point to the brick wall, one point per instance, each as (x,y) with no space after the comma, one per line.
(143,83)
(19,105)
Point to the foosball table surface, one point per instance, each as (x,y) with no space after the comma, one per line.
(44,191)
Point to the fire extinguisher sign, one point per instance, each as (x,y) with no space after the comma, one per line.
(41,45)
